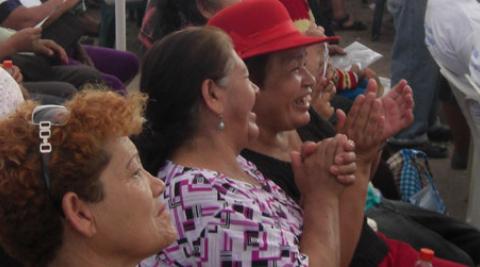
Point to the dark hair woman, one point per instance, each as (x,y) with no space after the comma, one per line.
(165,16)
(285,120)
(226,213)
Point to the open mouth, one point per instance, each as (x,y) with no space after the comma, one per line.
(303,102)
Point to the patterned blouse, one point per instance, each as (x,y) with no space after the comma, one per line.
(227,222)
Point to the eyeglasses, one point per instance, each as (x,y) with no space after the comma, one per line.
(326,57)
(45,116)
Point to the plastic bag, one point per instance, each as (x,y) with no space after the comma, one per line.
(357,53)
(428,198)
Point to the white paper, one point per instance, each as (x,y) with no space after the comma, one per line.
(357,53)
(30,3)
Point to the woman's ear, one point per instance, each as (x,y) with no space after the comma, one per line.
(204,10)
(213,96)
(78,214)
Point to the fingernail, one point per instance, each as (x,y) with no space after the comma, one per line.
(334,169)
(351,142)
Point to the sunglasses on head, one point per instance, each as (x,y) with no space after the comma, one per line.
(46,116)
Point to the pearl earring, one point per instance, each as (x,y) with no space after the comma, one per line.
(221,124)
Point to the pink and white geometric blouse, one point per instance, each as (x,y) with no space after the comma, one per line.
(227,222)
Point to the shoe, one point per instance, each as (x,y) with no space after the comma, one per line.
(439,134)
(432,151)
(340,24)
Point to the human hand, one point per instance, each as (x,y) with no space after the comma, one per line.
(50,48)
(344,166)
(344,163)
(366,73)
(398,107)
(365,123)
(16,74)
(334,49)
(324,91)
(69,4)
(22,41)
(312,167)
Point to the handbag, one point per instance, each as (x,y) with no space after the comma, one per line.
(414,180)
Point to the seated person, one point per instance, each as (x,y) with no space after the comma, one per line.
(450,238)
(199,118)
(11,94)
(28,40)
(79,196)
(348,83)
(282,106)
(449,32)
(165,16)
(16,16)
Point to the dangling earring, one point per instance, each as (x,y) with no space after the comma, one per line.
(221,124)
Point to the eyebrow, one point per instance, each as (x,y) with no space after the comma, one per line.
(131,159)
(296,55)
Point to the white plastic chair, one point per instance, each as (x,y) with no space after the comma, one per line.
(468,99)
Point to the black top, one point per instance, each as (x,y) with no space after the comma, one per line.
(370,250)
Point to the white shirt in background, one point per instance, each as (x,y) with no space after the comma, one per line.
(450,27)
(474,66)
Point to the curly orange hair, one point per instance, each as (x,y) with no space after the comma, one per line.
(31,228)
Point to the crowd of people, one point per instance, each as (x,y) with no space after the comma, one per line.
(251,158)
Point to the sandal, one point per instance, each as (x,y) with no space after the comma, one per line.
(339,24)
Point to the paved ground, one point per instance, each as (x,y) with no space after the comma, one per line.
(453,185)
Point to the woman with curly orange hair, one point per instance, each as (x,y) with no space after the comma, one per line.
(72,189)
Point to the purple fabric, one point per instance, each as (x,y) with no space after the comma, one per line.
(116,67)
(226,222)
(122,64)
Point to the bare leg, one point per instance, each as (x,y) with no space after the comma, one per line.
(460,133)
(342,19)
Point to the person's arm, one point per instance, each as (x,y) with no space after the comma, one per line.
(23,17)
(321,239)
(19,42)
(28,40)
(364,126)
(6,49)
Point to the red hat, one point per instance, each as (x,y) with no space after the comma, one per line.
(260,27)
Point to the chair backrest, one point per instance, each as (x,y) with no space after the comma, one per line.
(468,99)
(461,83)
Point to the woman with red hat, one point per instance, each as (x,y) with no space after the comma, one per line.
(275,56)
(199,118)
